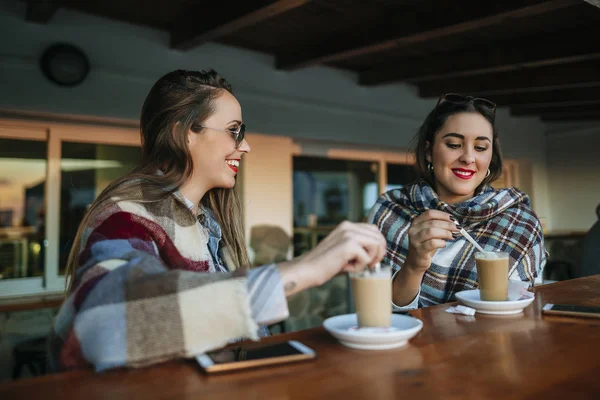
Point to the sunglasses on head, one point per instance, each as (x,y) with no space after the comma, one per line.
(457,98)
(237,133)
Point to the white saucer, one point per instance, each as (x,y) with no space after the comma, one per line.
(344,328)
(470,298)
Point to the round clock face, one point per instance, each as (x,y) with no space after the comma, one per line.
(65,65)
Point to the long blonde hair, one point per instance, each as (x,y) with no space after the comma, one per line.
(175,102)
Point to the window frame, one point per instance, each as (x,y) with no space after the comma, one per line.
(55,133)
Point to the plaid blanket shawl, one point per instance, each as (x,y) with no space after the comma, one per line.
(142,295)
(500,220)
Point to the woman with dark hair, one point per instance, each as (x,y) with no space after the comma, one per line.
(457,156)
(159,267)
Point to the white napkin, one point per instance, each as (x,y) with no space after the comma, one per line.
(517,290)
(464,310)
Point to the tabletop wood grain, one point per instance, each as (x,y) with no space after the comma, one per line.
(526,356)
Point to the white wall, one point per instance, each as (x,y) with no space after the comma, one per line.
(573,177)
(266,173)
(523,139)
(126,60)
(315,103)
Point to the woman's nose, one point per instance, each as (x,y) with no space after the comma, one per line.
(244,146)
(467,157)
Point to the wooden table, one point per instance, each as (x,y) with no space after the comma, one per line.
(33,302)
(454,357)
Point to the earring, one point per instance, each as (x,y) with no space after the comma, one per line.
(430,168)
(488,173)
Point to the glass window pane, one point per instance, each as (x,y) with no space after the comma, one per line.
(22,201)
(326,192)
(86,169)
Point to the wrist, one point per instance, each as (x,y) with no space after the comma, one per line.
(409,270)
(413,266)
(410,277)
(296,277)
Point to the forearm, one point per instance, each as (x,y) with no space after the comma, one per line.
(405,286)
(130,310)
(295,277)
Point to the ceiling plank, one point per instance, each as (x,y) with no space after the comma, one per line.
(41,11)
(466,18)
(559,96)
(226,21)
(564,76)
(535,52)
(569,109)
(555,117)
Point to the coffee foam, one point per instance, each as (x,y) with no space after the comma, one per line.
(381,274)
(488,255)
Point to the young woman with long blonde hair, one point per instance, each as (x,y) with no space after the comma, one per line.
(159,267)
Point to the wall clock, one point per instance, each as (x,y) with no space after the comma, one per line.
(65,64)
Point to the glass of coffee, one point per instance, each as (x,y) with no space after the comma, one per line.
(372,291)
(492,274)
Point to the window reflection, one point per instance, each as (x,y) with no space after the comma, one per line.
(86,169)
(22,207)
(327,192)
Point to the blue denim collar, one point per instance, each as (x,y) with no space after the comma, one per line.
(205,216)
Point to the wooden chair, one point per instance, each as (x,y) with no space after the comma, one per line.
(31,354)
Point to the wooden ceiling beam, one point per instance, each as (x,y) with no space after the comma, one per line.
(41,11)
(422,27)
(561,96)
(510,56)
(581,75)
(548,110)
(555,117)
(191,30)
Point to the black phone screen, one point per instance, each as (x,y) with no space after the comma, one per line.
(573,308)
(257,353)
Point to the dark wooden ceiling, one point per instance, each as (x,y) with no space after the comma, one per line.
(539,57)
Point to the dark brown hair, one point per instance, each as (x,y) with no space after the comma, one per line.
(434,122)
(175,102)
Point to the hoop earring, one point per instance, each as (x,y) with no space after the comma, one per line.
(430,168)
(488,173)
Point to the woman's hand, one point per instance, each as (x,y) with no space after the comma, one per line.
(427,233)
(349,247)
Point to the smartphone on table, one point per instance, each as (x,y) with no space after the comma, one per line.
(570,310)
(243,357)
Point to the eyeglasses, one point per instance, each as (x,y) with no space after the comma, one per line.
(457,98)
(238,134)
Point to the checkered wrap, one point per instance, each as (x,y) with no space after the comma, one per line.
(500,220)
(142,295)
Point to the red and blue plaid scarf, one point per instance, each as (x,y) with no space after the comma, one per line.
(500,220)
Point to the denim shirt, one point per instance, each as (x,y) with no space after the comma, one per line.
(207,219)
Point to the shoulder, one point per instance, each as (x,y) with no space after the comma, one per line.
(514,201)
(121,220)
(114,209)
(393,203)
(124,213)
(516,212)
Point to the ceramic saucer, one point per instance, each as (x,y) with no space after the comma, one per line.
(471,298)
(345,329)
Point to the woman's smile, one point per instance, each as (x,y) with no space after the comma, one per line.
(233,164)
(463,173)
